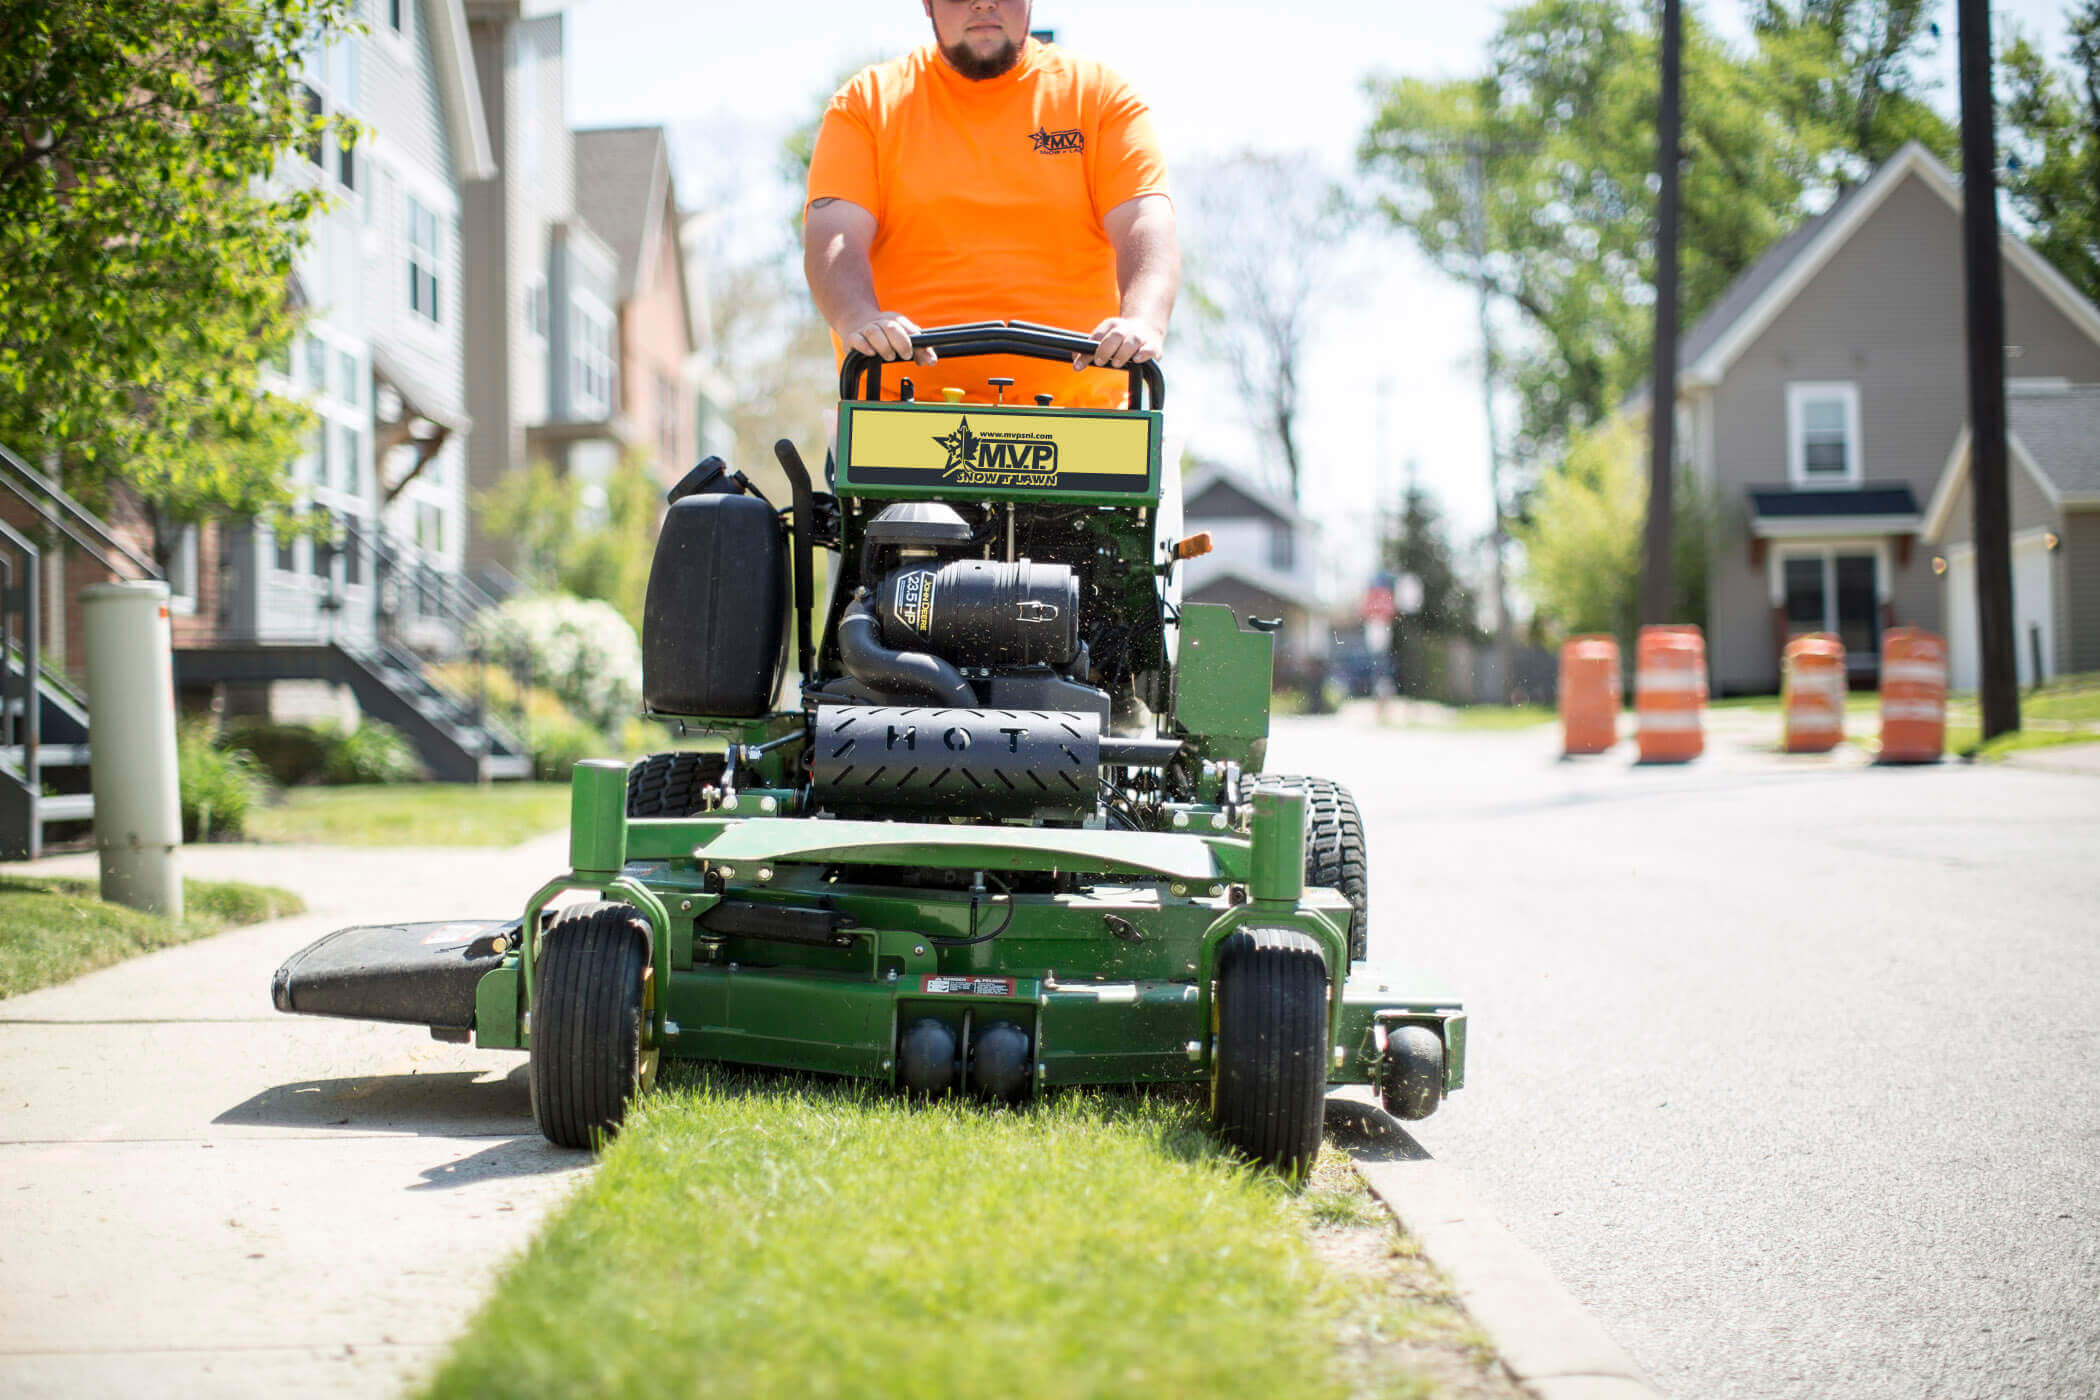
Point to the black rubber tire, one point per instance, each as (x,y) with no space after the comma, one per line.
(590,998)
(1411,1076)
(1335,855)
(1269,1065)
(670,784)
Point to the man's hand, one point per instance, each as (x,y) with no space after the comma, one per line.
(1125,340)
(836,236)
(887,336)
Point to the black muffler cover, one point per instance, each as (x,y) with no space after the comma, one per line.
(414,974)
(1005,763)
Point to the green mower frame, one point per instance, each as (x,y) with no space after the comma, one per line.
(1201,922)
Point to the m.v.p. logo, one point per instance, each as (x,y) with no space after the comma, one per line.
(1000,459)
(1058,143)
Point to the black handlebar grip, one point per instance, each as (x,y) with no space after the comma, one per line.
(860,375)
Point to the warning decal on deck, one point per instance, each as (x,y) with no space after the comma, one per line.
(968,986)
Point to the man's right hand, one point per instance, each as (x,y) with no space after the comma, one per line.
(887,336)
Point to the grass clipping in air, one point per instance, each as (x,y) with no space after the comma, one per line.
(755,1235)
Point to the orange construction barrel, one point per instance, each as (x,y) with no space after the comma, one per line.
(1669,690)
(1913,696)
(1591,694)
(1813,693)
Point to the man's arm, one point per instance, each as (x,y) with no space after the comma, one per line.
(836,237)
(1148,273)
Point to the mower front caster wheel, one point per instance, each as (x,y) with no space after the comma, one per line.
(1411,1073)
(1268,1068)
(592,1003)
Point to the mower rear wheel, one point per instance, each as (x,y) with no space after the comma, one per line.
(670,784)
(593,996)
(1269,1059)
(1335,855)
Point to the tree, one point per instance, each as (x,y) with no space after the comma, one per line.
(567,539)
(1851,66)
(146,250)
(1421,546)
(1264,235)
(1564,118)
(2051,133)
(1582,542)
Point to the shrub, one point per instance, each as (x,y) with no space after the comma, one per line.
(558,745)
(291,753)
(581,649)
(371,753)
(218,785)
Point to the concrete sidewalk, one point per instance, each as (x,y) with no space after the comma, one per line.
(201,1196)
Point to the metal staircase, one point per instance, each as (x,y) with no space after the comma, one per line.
(44,794)
(455,737)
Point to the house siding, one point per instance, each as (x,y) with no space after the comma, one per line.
(520,67)
(1886,314)
(2031,509)
(655,343)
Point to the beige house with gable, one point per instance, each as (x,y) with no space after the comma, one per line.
(1820,403)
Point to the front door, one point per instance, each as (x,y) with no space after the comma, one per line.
(1839,592)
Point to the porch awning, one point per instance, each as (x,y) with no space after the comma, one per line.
(1782,512)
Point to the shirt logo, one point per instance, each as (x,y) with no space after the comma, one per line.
(999,459)
(1058,143)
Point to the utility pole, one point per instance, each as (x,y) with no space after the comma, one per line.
(1476,232)
(1983,276)
(1662,396)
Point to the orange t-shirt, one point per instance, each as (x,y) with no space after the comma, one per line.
(988,199)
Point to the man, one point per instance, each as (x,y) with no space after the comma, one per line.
(991,177)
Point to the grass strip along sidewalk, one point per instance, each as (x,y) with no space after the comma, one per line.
(779,1235)
(413,814)
(53,930)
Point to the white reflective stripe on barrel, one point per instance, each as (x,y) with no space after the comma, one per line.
(1931,710)
(1916,672)
(1671,680)
(1670,722)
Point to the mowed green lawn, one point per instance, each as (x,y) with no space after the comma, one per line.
(753,1235)
(53,930)
(413,814)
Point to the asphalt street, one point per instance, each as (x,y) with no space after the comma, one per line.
(1789,1067)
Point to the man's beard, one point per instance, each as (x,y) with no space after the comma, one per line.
(976,69)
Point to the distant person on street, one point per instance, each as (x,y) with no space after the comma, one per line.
(989,176)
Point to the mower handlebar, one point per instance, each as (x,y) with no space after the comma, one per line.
(860,375)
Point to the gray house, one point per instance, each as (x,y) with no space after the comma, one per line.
(1821,401)
(1265,562)
(2054,440)
(542,289)
(342,621)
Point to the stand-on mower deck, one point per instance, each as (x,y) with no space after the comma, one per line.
(1011,834)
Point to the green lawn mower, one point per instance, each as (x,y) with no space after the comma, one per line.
(1012,833)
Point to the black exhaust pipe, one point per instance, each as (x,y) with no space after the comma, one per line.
(910,673)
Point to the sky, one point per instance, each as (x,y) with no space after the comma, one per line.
(1401,354)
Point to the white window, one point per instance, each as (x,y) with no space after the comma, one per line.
(182,572)
(1823,440)
(422,261)
(398,15)
(536,308)
(590,330)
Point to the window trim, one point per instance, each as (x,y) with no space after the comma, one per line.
(587,358)
(424,261)
(1798,396)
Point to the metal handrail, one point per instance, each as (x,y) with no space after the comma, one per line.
(72,519)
